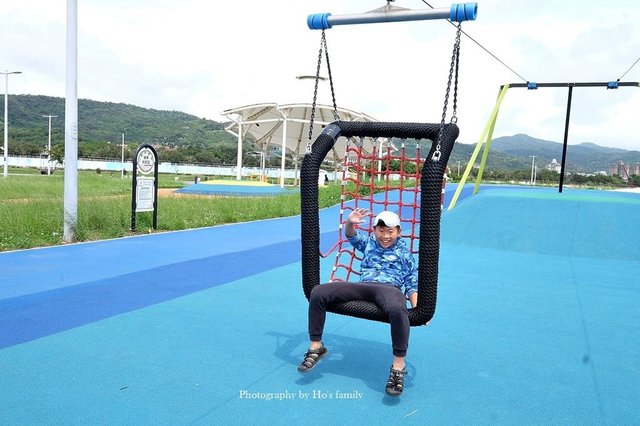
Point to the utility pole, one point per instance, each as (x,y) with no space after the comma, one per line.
(49,144)
(71,127)
(533,167)
(122,160)
(6,118)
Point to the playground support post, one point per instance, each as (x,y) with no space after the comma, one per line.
(486,136)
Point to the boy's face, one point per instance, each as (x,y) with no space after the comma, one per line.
(386,236)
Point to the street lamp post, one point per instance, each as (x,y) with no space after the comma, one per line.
(6,118)
(49,144)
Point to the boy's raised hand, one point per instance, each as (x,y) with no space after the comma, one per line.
(355,217)
(358,216)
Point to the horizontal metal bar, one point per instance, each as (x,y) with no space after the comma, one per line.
(591,84)
(457,12)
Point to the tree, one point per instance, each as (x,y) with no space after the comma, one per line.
(548,176)
(57,153)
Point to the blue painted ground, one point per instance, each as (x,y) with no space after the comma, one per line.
(537,323)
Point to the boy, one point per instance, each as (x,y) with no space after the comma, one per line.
(387,268)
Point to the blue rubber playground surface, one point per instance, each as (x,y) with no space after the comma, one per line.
(228,188)
(538,322)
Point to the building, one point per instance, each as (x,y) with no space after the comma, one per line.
(623,171)
(554,166)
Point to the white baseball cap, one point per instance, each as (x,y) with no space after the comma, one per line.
(389,219)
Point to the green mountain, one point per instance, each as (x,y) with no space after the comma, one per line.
(584,157)
(495,161)
(510,153)
(205,141)
(462,153)
(107,121)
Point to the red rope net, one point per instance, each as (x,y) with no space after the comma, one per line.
(387,178)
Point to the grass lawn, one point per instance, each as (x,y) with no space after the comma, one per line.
(31,210)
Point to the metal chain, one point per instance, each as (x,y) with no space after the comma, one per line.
(315,94)
(454,112)
(336,116)
(455,56)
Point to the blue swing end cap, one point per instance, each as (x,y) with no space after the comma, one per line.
(463,12)
(318,21)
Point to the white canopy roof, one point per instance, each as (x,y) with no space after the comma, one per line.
(285,125)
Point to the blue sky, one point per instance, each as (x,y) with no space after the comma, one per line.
(204,57)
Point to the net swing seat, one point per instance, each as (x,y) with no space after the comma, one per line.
(416,194)
(423,215)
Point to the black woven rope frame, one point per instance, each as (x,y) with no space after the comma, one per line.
(431,190)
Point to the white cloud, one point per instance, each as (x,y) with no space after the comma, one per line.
(204,57)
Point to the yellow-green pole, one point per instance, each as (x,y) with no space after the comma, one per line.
(484,138)
(485,154)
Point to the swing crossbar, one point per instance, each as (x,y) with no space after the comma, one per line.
(458,12)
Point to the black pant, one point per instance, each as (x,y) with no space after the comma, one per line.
(390,299)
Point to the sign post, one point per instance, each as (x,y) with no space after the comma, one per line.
(144,189)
